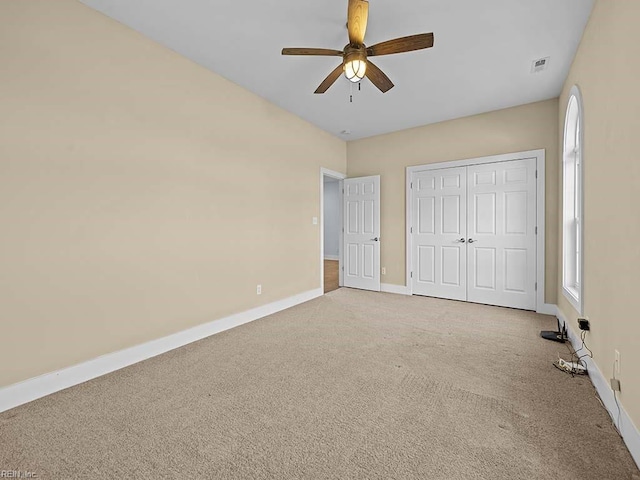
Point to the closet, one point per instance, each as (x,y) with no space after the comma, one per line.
(473,233)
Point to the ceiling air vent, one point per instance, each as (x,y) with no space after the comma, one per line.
(539,64)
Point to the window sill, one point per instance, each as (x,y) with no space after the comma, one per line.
(573,295)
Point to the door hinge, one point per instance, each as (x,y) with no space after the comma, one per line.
(411,274)
(411,229)
(536,286)
(411,185)
(536,173)
(536,230)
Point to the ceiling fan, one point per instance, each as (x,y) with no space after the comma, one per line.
(355,63)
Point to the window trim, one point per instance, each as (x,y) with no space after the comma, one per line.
(574,293)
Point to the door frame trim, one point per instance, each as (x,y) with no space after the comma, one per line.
(540,156)
(325,172)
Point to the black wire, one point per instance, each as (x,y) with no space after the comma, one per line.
(573,355)
(584,345)
(578,359)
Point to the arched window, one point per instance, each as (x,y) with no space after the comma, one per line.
(572,189)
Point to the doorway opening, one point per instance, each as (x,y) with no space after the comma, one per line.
(331,230)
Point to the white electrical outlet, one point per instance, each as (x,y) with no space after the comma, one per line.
(259,290)
(314,220)
(384,271)
(616,369)
(615,384)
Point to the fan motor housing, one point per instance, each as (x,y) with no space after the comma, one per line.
(354,52)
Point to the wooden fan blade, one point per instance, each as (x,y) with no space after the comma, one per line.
(378,78)
(311,51)
(330,80)
(400,45)
(357,16)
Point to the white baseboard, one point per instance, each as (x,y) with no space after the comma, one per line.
(37,387)
(391,288)
(547,309)
(332,257)
(628,430)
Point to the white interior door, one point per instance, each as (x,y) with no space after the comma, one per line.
(362,233)
(439,233)
(473,233)
(501,244)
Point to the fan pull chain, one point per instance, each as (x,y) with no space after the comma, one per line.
(350,92)
(359,84)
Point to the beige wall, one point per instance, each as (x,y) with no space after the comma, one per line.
(140,194)
(528,127)
(606,69)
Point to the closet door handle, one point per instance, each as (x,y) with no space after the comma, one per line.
(462,240)
(471,240)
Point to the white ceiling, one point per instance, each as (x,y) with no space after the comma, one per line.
(481,60)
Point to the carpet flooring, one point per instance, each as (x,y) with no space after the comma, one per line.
(352,385)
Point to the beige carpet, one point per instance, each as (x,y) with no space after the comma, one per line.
(353,385)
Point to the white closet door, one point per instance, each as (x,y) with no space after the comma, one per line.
(362,233)
(501,243)
(439,232)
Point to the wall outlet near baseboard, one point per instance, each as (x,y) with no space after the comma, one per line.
(615,384)
(584,324)
(259,290)
(384,271)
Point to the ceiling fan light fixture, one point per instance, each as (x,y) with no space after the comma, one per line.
(355,63)
(355,70)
